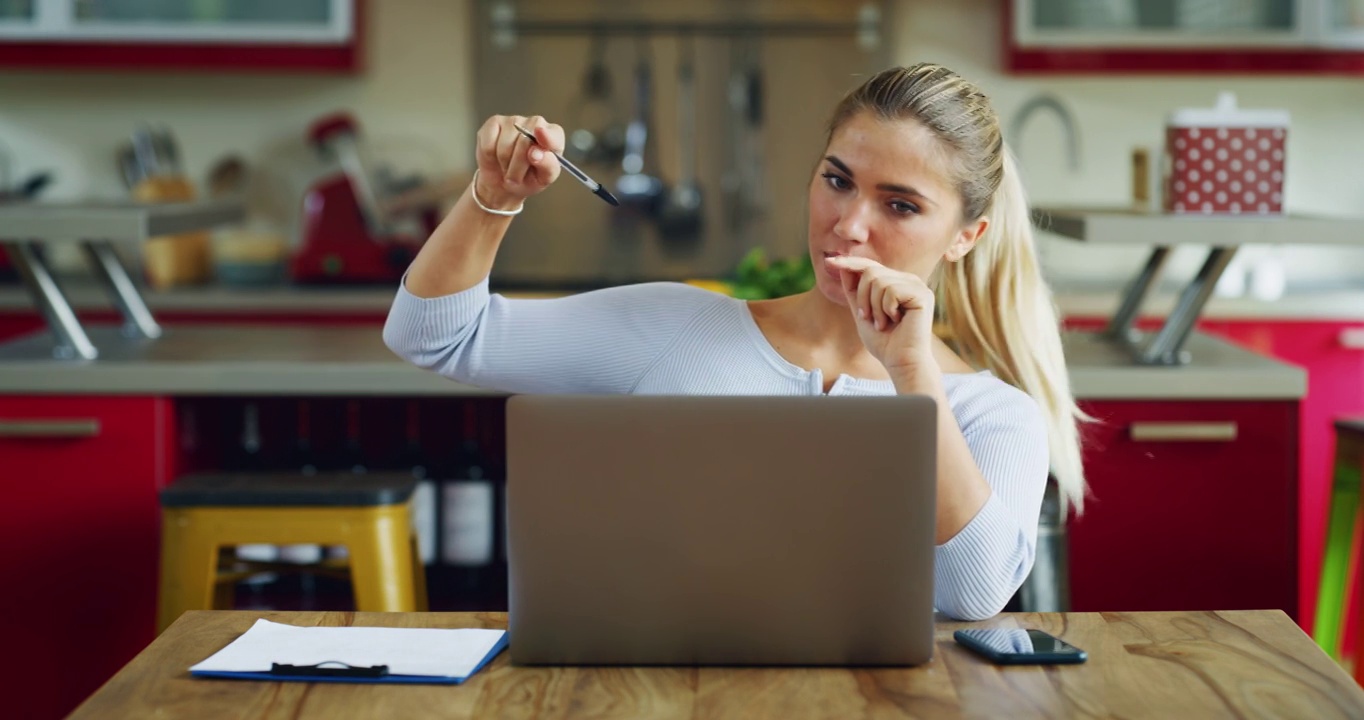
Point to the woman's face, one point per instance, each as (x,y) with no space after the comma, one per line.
(882,192)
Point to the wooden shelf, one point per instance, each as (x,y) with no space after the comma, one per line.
(115,221)
(1161,231)
(96,226)
(1124,226)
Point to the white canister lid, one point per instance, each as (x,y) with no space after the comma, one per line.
(1226,114)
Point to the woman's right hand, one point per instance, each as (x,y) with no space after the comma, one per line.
(510,167)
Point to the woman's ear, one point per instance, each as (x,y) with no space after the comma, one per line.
(966,239)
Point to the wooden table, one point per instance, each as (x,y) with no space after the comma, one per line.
(1141,665)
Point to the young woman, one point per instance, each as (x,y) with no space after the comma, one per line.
(914,191)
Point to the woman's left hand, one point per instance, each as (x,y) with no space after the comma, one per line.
(893,311)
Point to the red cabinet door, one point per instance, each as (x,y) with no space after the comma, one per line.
(79,541)
(1176,522)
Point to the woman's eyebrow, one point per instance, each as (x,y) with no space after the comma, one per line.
(839,164)
(887,187)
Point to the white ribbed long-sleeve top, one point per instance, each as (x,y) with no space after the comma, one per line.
(672,338)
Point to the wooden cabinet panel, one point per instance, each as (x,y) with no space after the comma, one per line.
(80,533)
(1182,518)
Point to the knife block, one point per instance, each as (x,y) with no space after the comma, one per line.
(172,260)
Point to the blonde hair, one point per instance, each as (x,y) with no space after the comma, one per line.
(996,305)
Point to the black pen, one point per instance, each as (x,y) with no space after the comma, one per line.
(597,188)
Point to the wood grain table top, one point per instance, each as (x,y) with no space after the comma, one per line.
(1141,665)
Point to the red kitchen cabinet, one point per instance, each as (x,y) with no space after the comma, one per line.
(14,324)
(1194,507)
(79,542)
(319,37)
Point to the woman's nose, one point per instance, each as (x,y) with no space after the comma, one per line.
(852,224)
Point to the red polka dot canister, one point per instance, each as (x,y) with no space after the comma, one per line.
(1225,160)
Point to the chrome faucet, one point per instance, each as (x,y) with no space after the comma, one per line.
(1038,102)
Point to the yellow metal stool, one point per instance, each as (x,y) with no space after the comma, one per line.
(368,514)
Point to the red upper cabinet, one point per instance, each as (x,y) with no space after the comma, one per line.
(1175,36)
(217,35)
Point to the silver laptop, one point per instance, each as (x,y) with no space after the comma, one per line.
(703,530)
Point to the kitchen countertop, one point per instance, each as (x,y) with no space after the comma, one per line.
(1219,370)
(1090,300)
(311,360)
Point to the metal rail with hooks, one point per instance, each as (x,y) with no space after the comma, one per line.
(506,28)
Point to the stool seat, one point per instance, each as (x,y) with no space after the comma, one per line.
(289,490)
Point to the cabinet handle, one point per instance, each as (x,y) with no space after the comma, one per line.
(1352,338)
(1183,432)
(49,429)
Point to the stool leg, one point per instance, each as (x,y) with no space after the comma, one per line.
(1355,603)
(418,576)
(381,563)
(189,562)
(1335,565)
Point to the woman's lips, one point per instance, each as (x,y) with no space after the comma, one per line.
(830,270)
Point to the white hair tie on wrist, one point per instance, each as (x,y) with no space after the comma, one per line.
(473,191)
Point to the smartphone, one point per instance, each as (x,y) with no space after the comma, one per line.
(1007,646)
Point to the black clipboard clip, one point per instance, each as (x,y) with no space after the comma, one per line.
(375,671)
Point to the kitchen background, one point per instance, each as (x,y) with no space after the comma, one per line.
(415,103)
(1212,479)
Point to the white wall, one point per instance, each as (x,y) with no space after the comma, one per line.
(1325,165)
(412,103)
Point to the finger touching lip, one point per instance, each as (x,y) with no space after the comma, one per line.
(848,262)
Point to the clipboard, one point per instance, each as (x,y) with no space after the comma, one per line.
(287,653)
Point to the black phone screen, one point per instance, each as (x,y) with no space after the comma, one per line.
(1008,644)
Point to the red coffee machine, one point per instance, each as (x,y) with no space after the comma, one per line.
(347,235)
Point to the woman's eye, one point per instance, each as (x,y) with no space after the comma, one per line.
(904,208)
(837,182)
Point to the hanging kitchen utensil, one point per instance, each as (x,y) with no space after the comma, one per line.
(743,182)
(681,219)
(732,177)
(636,188)
(598,135)
(755,107)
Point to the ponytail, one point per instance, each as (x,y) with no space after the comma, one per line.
(1002,318)
(994,301)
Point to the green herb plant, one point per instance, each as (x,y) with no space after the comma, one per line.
(758,278)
